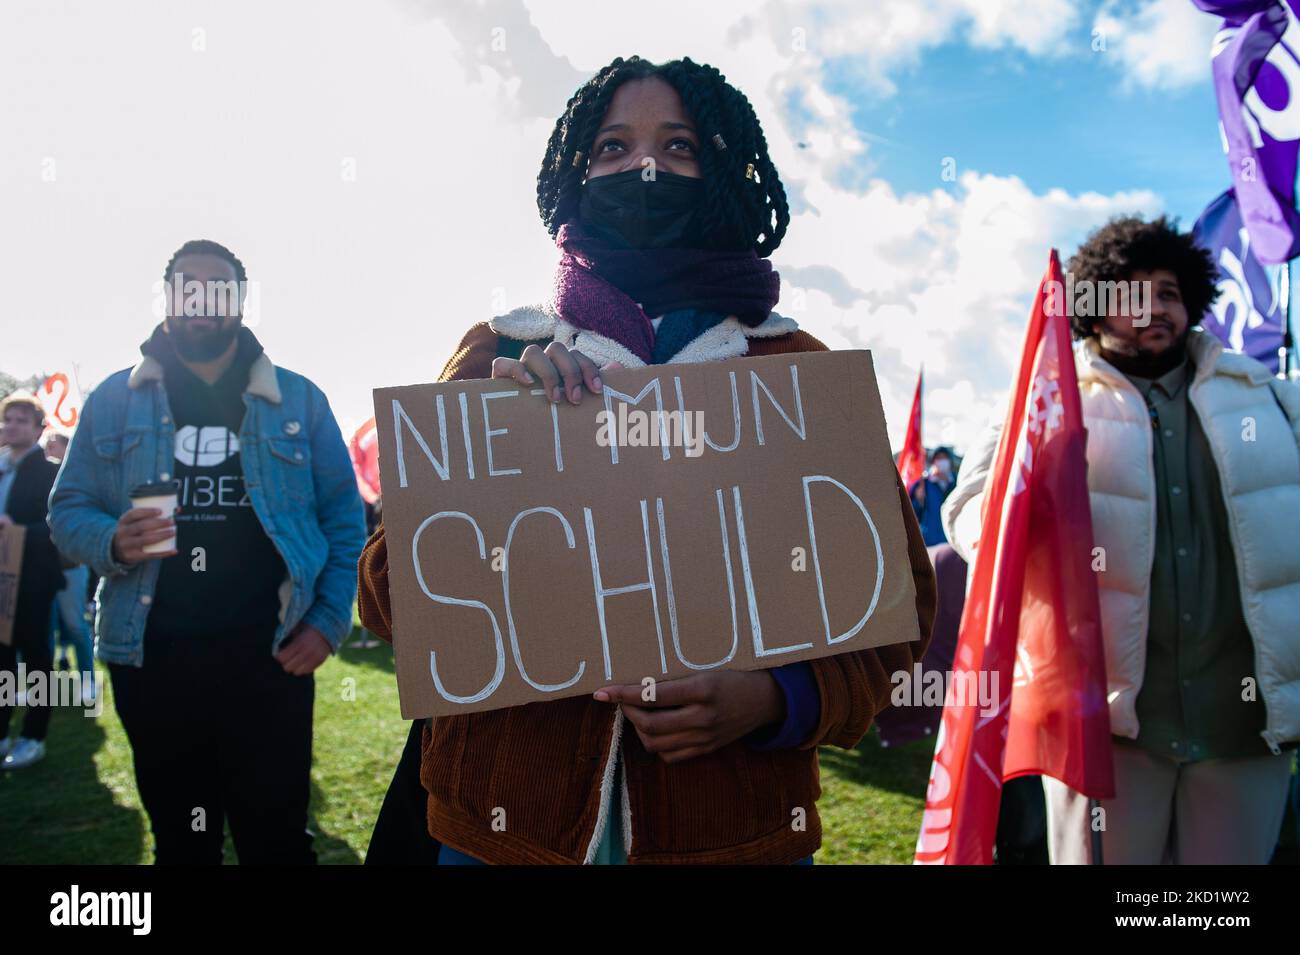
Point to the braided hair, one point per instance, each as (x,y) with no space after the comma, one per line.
(206,247)
(737,212)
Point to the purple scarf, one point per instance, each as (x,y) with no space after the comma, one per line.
(612,291)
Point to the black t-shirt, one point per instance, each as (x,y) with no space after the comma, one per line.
(227,572)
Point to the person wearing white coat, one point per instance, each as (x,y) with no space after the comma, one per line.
(1194,481)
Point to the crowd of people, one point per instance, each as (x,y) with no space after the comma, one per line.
(209,493)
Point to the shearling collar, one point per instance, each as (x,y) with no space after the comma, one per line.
(262,382)
(728,339)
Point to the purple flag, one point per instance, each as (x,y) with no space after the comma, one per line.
(1256,67)
(1250,314)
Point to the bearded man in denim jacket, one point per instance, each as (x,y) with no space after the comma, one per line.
(212,642)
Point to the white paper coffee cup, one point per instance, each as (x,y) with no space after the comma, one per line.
(164,496)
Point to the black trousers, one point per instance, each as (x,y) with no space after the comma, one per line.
(1022,823)
(401,834)
(219,732)
(31,638)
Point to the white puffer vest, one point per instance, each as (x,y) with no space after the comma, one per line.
(1252,423)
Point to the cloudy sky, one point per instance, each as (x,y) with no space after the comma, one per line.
(374,164)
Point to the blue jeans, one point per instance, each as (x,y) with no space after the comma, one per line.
(68,616)
(449,856)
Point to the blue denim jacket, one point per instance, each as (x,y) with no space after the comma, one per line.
(297,473)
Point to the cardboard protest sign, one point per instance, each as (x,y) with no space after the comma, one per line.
(11,565)
(739,514)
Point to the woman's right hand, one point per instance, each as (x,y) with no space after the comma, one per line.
(563,372)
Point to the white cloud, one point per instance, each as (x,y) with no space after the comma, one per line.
(944,279)
(1158,44)
(778,51)
(885,35)
(1041,27)
(372,282)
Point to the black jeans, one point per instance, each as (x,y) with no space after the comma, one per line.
(401,834)
(219,732)
(31,638)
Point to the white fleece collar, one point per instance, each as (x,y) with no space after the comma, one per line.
(727,339)
(262,382)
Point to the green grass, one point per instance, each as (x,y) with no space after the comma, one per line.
(79,804)
(872,800)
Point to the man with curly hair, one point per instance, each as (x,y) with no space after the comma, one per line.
(1194,481)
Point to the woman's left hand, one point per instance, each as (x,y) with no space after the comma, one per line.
(698,714)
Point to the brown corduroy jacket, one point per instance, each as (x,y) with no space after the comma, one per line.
(545,769)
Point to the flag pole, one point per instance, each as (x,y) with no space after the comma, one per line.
(1288,343)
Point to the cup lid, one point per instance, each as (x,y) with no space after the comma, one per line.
(156,489)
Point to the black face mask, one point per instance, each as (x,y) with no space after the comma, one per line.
(637,213)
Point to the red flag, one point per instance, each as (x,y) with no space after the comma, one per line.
(911,460)
(1027,693)
(364,449)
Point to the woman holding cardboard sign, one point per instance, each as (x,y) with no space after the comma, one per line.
(659,191)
